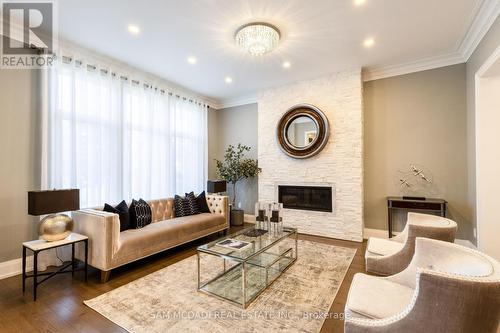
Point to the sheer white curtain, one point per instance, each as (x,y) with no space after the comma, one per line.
(118,139)
(146,143)
(84,134)
(189,146)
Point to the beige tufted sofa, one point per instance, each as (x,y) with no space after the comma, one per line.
(109,248)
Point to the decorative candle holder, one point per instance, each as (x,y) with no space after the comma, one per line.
(276,218)
(261,215)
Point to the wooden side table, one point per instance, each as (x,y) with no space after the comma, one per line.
(415,205)
(39,245)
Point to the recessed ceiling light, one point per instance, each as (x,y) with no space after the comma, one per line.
(359,2)
(192,60)
(133,29)
(369,42)
(228,79)
(286,64)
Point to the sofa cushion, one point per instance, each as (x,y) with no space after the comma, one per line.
(162,209)
(138,243)
(376,297)
(382,247)
(140,214)
(201,200)
(122,210)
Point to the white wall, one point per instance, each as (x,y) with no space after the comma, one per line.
(483,51)
(339,96)
(488,162)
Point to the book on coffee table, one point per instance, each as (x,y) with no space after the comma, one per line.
(234,244)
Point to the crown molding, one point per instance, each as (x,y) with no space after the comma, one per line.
(242,100)
(484,19)
(212,103)
(485,16)
(376,73)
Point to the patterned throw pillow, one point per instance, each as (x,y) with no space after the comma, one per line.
(181,206)
(140,214)
(186,206)
(193,203)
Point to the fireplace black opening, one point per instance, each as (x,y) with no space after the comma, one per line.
(315,198)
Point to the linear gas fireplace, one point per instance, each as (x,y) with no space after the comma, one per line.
(315,198)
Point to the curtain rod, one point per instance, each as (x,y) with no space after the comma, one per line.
(104,71)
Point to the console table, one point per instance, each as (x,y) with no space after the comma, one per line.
(416,205)
(39,245)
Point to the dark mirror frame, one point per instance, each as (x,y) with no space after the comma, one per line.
(322,125)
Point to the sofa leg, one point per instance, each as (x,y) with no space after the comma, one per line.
(105,276)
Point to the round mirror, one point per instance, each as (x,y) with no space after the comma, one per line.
(302,132)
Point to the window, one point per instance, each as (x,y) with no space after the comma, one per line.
(115,139)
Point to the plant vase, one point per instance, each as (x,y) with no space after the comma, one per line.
(237,216)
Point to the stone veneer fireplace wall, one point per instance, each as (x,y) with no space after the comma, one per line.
(340,163)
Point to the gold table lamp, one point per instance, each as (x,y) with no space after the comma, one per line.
(58,226)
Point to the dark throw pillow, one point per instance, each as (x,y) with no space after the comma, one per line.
(192,203)
(123,213)
(201,200)
(181,206)
(140,214)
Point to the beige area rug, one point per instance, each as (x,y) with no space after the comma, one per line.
(168,300)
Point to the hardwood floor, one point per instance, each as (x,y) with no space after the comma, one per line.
(60,308)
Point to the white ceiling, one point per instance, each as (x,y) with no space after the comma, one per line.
(318,37)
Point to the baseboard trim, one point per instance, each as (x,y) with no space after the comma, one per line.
(379,233)
(14,267)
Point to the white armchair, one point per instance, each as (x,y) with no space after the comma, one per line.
(446,288)
(391,256)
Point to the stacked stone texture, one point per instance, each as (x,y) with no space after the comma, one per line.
(340,163)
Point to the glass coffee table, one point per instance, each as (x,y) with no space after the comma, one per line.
(240,275)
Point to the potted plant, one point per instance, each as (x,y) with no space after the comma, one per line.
(234,168)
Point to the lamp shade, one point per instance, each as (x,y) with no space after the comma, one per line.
(53,201)
(216,186)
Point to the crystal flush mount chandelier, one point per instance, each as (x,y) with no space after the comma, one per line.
(257,38)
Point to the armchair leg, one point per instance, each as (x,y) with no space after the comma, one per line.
(105,276)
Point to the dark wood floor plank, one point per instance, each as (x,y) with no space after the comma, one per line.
(60,307)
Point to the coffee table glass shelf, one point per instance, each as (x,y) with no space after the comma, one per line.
(239,276)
